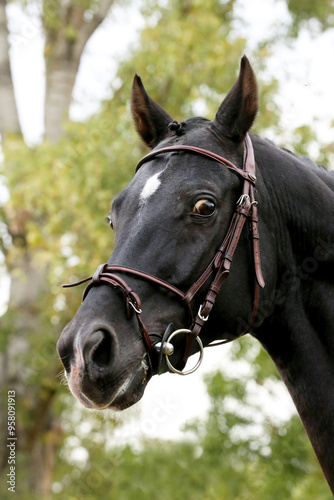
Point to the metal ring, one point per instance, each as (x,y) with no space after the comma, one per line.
(169,364)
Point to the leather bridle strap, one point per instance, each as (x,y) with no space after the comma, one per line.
(221,263)
(247,175)
(105,274)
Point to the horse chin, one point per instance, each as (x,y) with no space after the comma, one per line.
(128,392)
(132,389)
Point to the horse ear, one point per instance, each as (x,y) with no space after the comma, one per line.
(237,112)
(151,121)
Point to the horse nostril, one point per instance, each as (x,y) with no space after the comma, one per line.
(98,348)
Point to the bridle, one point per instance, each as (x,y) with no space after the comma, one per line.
(219,267)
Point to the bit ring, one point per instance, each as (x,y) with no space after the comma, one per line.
(187,372)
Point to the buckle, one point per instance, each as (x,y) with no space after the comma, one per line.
(138,311)
(243,199)
(199,314)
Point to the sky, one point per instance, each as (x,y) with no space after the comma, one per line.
(305,97)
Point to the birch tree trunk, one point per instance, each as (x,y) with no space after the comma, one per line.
(66,37)
(9,121)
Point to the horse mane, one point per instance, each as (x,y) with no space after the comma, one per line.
(307,161)
(324,174)
(304,159)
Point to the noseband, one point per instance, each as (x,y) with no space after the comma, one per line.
(219,267)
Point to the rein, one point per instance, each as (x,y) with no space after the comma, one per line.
(219,267)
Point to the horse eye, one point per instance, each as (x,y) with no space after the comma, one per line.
(203,207)
(109,221)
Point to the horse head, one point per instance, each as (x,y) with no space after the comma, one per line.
(169,224)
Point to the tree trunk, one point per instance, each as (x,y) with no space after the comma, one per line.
(59,86)
(9,124)
(30,372)
(65,43)
(9,121)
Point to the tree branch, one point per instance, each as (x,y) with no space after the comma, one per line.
(100,14)
(90,26)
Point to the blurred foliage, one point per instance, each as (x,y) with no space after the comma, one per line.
(60,196)
(321,11)
(189,71)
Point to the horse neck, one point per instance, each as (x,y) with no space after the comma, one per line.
(297,210)
(299,334)
(305,363)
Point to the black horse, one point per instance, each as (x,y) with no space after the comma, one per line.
(178,225)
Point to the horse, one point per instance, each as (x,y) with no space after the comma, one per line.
(180,231)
